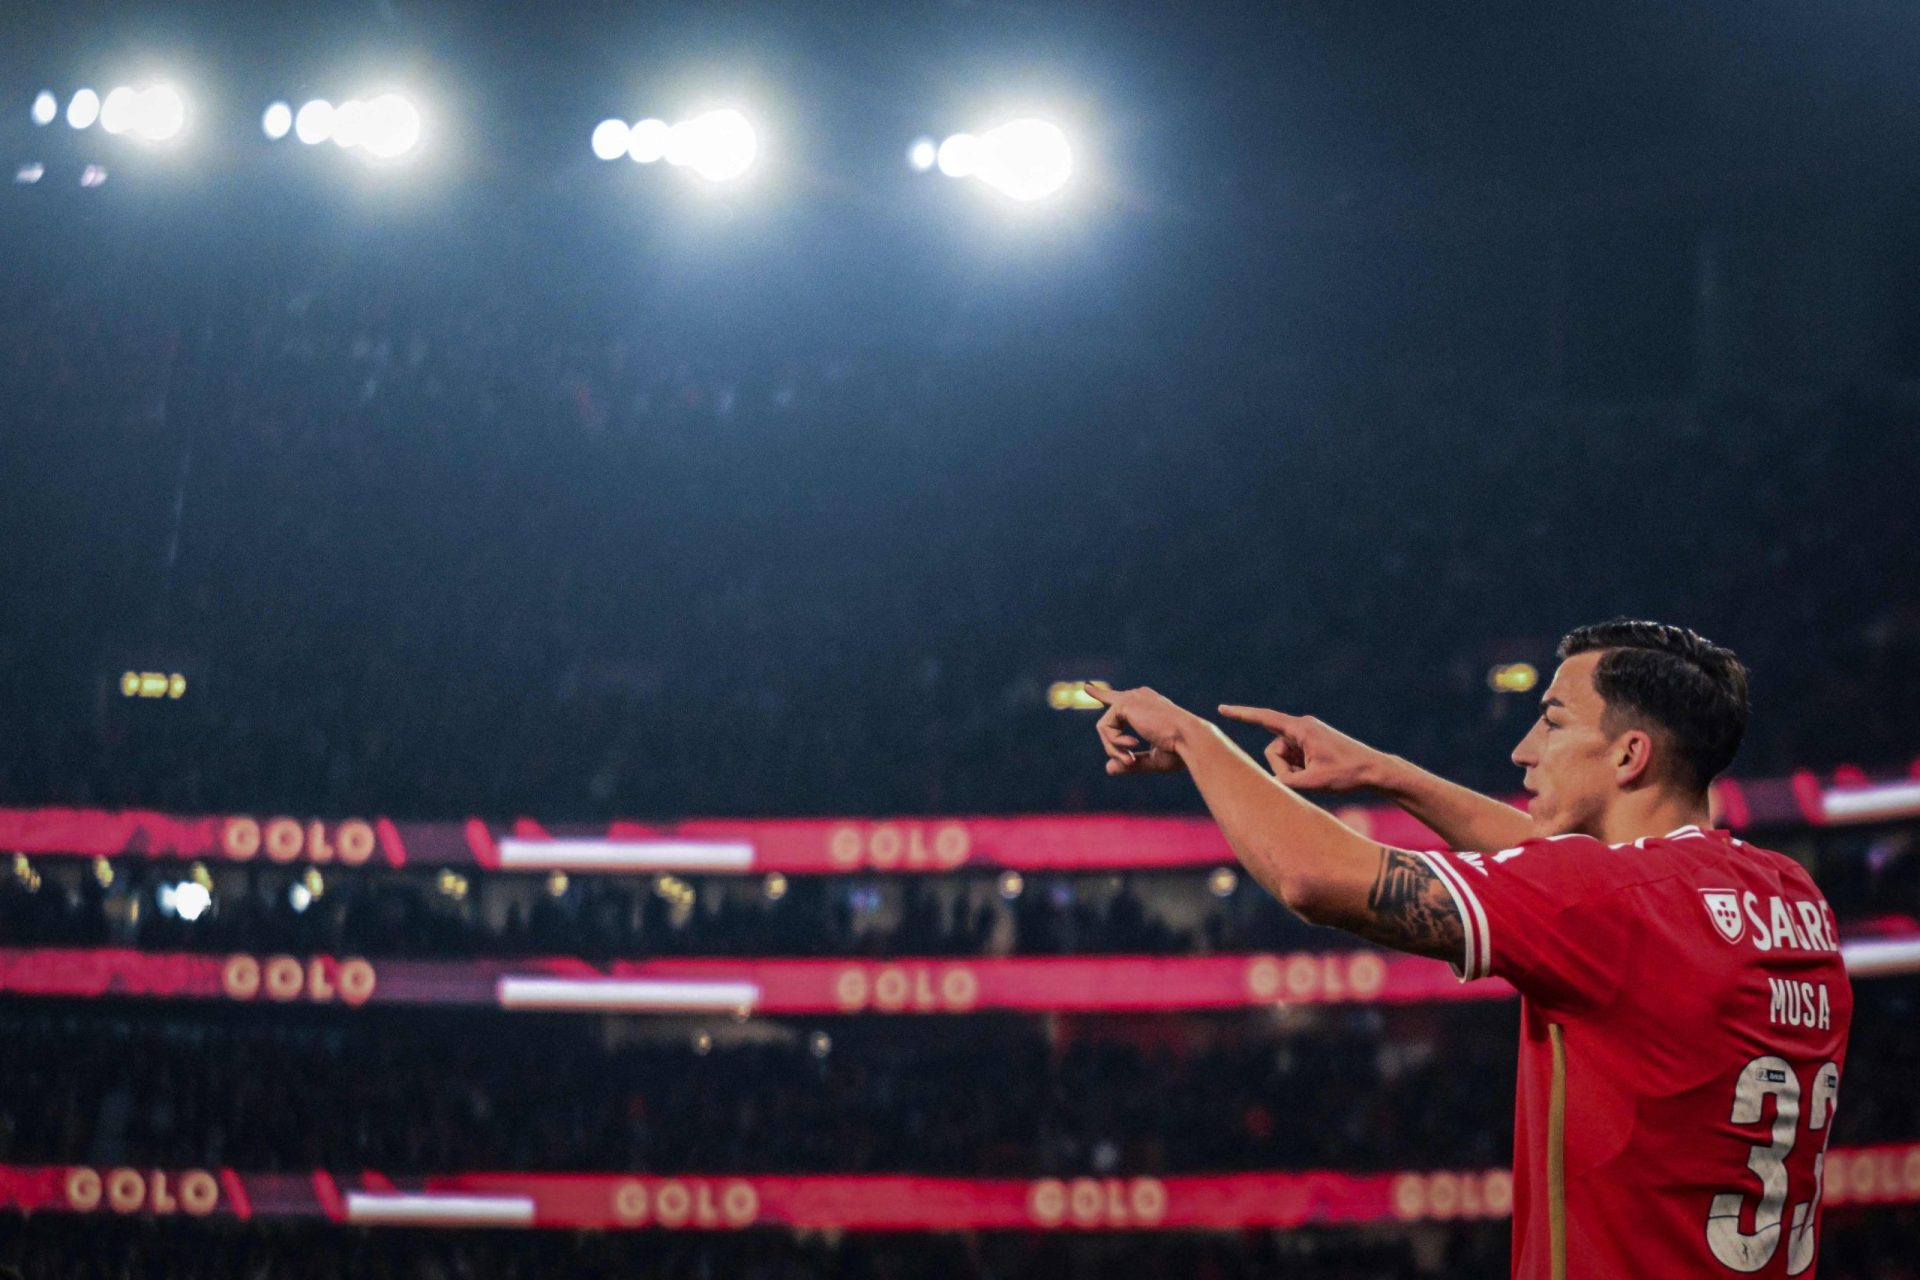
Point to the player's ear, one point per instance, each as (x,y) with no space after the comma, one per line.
(1633,758)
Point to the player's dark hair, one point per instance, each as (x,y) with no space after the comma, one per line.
(1675,679)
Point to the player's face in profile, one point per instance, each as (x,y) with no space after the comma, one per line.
(1567,755)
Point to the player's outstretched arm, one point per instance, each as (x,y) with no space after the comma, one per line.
(1311,756)
(1324,870)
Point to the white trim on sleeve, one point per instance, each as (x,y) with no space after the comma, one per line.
(1477,962)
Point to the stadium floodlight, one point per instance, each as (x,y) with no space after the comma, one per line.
(923,154)
(156,113)
(117,109)
(610,139)
(276,121)
(1025,159)
(718,145)
(159,113)
(45,107)
(648,139)
(83,109)
(959,156)
(314,123)
(349,123)
(390,127)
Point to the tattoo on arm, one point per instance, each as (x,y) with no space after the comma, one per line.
(1409,908)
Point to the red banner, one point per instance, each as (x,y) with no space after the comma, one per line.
(719,1202)
(730,1203)
(1039,983)
(1081,984)
(808,846)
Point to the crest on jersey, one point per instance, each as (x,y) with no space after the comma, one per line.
(1723,908)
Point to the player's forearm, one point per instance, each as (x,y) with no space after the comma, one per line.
(1300,853)
(1464,819)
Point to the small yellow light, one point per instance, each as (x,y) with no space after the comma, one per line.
(776,887)
(176,686)
(1223,882)
(315,886)
(103,872)
(1011,883)
(153,684)
(21,867)
(453,885)
(556,883)
(1513,677)
(201,876)
(130,684)
(1072,695)
(702,1043)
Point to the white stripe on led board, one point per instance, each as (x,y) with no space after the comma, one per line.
(516,992)
(1877,958)
(1866,804)
(626,855)
(431,1208)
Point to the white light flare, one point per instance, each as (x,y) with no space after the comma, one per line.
(117,111)
(159,113)
(349,123)
(190,900)
(648,140)
(83,109)
(959,156)
(314,124)
(718,145)
(391,127)
(610,139)
(1026,159)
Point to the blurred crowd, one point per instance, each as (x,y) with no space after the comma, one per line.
(987,1095)
(1871,1245)
(410,1091)
(424,913)
(432,542)
(53,1249)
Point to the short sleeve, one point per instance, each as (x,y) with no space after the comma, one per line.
(1544,915)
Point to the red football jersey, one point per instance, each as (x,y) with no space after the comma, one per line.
(1683,1029)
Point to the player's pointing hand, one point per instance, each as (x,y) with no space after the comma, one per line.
(1141,730)
(1308,755)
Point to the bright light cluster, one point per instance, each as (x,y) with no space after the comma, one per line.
(1025,159)
(719,145)
(155,113)
(384,127)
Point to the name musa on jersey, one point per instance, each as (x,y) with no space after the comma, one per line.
(1784,924)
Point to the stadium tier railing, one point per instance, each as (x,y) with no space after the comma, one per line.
(1110,984)
(1855,1176)
(814,846)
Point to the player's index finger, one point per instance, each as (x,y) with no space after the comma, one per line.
(1261,716)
